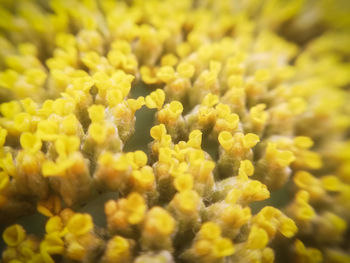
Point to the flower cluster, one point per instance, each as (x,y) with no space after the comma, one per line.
(249,100)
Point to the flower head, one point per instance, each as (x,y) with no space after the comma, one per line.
(218,131)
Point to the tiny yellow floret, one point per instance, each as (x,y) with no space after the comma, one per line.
(223,247)
(226,140)
(66,145)
(257,238)
(183,182)
(80,224)
(186,69)
(97,113)
(118,250)
(155,99)
(98,132)
(246,169)
(158,132)
(210,231)
(14,235)
(250,140)
(54,225)
(187,201)
(47,130)
(159,222)
(137,208)
(195,139)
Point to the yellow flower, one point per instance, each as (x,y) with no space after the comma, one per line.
(209,131)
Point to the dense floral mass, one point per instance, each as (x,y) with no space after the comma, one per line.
(249,98)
